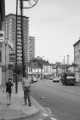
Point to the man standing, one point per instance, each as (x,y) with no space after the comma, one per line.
(9,85)
(26,88)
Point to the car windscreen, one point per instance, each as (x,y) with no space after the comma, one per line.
(70,77)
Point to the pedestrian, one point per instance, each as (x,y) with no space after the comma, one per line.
(9,85)
(26,83)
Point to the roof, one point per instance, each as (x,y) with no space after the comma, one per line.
(76,43)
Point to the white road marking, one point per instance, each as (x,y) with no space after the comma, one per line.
(44,114)
(43,97)
(52,118)
(48,110)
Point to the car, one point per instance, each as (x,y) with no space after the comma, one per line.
(34,79)
(51,78)
(56,79)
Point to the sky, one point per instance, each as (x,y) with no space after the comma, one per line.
(55,25)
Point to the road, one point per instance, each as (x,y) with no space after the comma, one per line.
(63,101)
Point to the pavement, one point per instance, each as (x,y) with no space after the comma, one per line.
(17,110)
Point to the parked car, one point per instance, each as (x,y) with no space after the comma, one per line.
(51,78)
(34,79)
(68,79)
(56,79)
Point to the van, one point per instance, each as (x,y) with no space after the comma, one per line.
(68,79)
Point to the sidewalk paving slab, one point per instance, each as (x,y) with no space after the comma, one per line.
(17,109)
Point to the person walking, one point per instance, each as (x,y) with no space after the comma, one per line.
(9,85)
(26,83)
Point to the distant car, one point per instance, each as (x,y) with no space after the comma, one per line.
(56,79)
(34,79)
(51,78)
(68,79)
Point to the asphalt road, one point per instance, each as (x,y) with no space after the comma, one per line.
(63,101)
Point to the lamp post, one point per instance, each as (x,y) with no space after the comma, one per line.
(5,61)
(2,12)
(7,44)
(5,57)
(29,4)
(16,82)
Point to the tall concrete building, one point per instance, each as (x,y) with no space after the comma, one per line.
(10,34)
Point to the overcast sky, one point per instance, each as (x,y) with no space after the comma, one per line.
(56,26)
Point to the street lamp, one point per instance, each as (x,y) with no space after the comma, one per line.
(2,12)
(5,58)
(29,4)
(6,43)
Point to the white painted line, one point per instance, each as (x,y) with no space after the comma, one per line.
(44,114)
(52,118)
(48,110)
